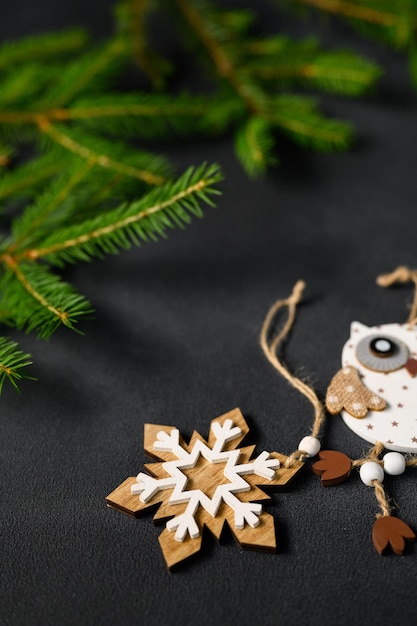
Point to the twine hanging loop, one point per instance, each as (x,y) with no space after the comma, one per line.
(270,346)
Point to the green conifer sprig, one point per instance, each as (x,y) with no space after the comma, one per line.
(254,144)
(5,154)
(41,48)
(304,63)
(25,180)
(131,19)
(77,103)
(257,70)
(32,296)
(54,205)
(12,362)
(165,207)
(300,119)
(86,192)
(87,195)
(394,23)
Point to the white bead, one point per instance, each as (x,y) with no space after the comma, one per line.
(310,445)
(371,471)
(394,463)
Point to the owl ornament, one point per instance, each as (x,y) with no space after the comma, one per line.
(376,389)
(375,392)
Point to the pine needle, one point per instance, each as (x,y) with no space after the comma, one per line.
(299,119)
(392,22)
(293,63)
(42,47)
(35,299)
(254,145)
(23,182)
(12,362)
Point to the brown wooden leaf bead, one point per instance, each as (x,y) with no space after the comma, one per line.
(346,391)
(391,532)
(334,467)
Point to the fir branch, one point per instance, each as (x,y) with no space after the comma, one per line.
(64,139)
(42,47)
(20,87)
(211,36)
(132,114)
(299,118)
(149,218)
(147,108)
(72,196)
(45,210)
(36,299)
(90,72)
(236,22)
(12,362)
(393,22)
(291,63)
(5,154)
(356,9)
(141,51)
(132,21)
(149,115)
(106,191)
(254,144)
(244,73)
(23,181)
(87,190)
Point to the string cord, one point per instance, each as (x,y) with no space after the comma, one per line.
(382,499)
(271,347)
(402,275)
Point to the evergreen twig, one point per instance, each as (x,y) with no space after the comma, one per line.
(12,362)
(394,23)
(249,65)
(85,192)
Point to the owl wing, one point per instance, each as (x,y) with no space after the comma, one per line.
(347,391)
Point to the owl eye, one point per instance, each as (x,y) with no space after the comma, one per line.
(382,353)
(382,347)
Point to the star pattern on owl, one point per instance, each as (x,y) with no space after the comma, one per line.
(376,388)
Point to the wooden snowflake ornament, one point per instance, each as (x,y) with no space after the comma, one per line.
(205,483)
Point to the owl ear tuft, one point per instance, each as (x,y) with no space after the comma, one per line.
(356,328)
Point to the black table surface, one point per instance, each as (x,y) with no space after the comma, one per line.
(176,341)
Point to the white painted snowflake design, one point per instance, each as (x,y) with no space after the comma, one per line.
(248,512)
(205,483)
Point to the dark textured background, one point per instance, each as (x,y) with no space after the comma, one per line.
(175,341)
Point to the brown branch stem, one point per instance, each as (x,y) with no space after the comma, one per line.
(273,72)
(99,159)
(221,60)
(352,10)
(93,112)
(14,266)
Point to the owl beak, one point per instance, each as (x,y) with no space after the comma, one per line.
(411,367)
